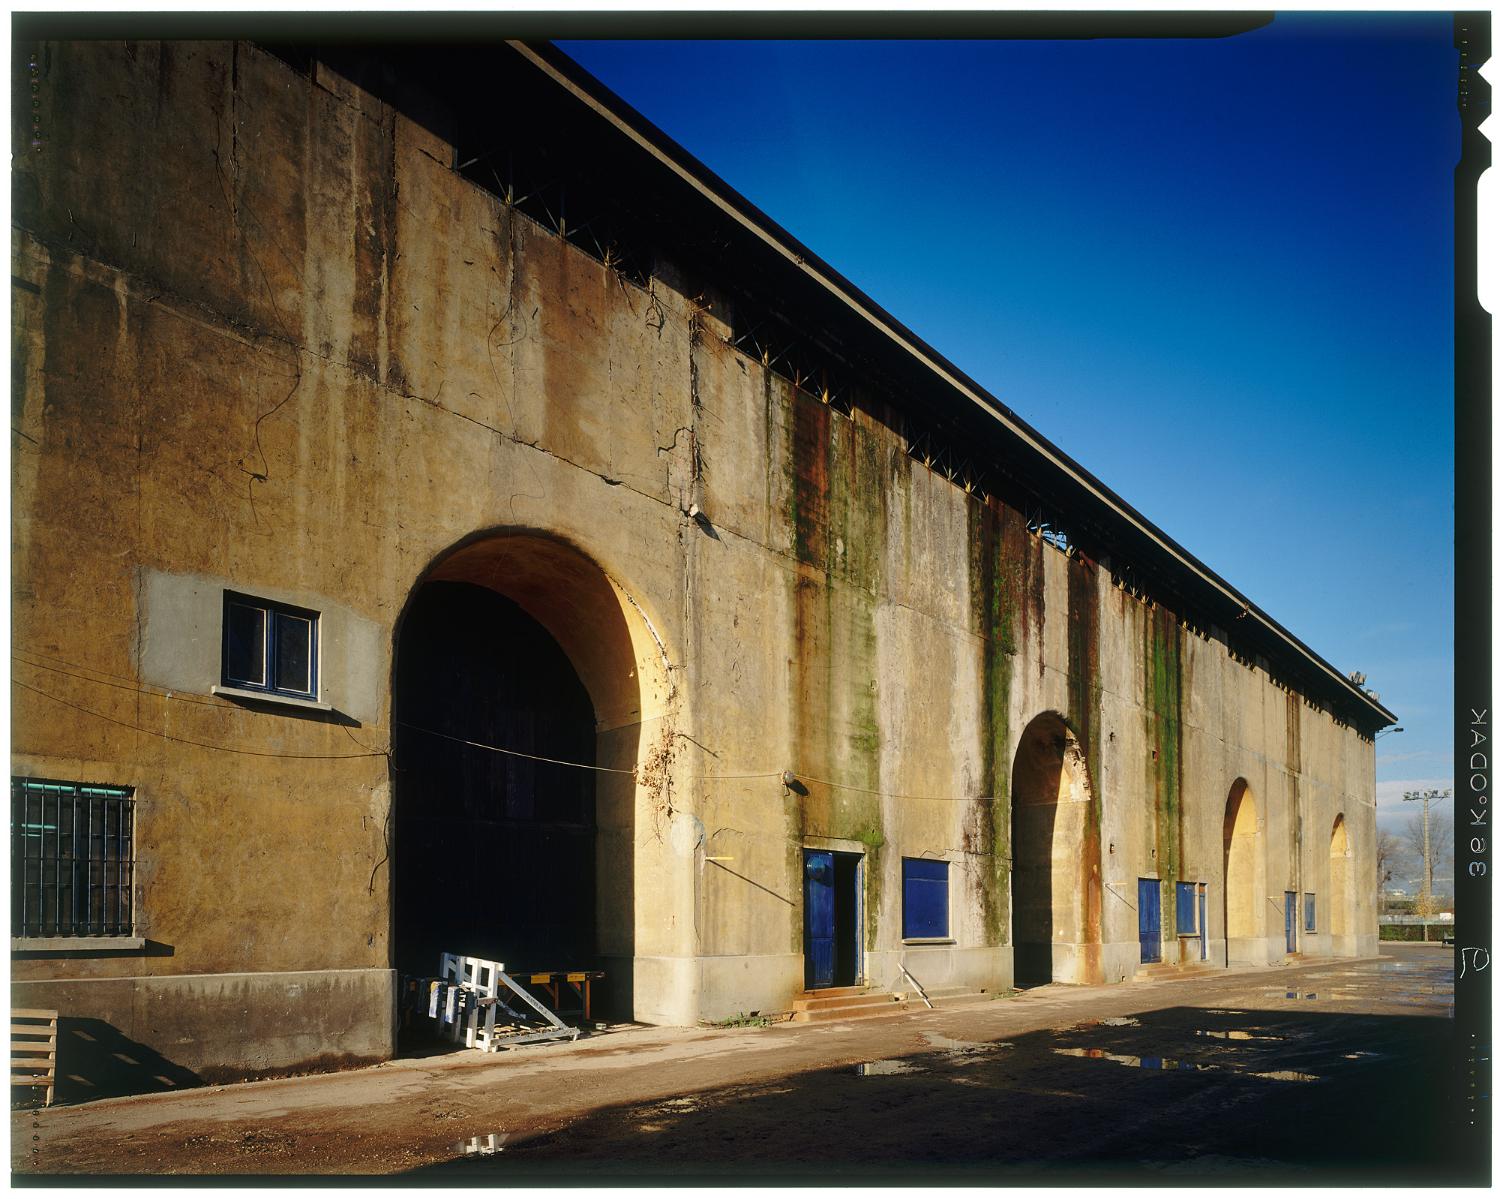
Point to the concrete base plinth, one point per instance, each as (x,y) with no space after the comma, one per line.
(1120,960)
(731,986)
(119,1036)
(665,990)
(975,968)
(1362,945)
(1248,951)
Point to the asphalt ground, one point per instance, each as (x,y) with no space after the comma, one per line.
(1318,1074)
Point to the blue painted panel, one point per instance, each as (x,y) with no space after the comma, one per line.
(1187,908)
(1148,893)
(1310,902)
(817,891)
(1203,920)
(1289,910)
(924,898)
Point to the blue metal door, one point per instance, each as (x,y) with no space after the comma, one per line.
(1148,894)
(1203,921)
(817,907)
(1290,913)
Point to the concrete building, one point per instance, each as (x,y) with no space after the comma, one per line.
(393,426)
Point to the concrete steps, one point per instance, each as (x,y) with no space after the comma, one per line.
(1173,971)
(845,1003)
(947,996)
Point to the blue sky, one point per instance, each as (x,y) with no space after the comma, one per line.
(1218,273)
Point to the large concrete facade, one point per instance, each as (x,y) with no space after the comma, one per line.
(267,340)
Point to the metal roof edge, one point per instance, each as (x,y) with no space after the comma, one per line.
(569,75)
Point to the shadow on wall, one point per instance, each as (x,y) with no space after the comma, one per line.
(95,1060)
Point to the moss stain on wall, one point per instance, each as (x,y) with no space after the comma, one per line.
(1004,603)
(839,520)
(1161,660)
(1294,782)
(1085,694)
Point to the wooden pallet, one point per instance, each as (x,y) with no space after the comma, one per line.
(33,1049)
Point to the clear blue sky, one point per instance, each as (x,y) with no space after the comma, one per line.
(1218,273)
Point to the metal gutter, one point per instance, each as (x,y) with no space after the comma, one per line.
(594,95)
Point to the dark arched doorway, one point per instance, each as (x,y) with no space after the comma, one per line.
(496,850)
(1055,878)
(517,640)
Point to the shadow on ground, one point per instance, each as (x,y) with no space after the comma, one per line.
(1173,1096)
(95,1060)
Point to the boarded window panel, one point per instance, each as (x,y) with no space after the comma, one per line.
(1310,902)
(1187,909)
(1148,905)
(245,645)
(293,653)
(924,898)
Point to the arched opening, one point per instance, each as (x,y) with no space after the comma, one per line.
(496,850)
(518,642)
(1338,886)
(1244,879)
(1055,876)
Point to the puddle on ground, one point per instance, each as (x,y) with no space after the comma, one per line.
(1301,994)
(886,1066)
(484,1146)
(1220,1011)
(953,1048)
(1168,1063)
(1360,1053)
(1110,1021)
(1235,1034)
(1128,1059)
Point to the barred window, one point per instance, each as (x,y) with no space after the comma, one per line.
(71,859)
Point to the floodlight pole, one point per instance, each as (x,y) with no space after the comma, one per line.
(1426,797)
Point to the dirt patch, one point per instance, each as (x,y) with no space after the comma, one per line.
(990,1092)
(324,1063)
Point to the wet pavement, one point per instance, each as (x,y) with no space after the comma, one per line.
(1326,1073)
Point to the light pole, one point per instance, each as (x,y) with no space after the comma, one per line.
(1426,797)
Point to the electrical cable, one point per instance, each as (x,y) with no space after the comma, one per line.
(514,753)
(228,749)
(159,693)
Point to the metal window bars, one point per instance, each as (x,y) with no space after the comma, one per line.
(72,863)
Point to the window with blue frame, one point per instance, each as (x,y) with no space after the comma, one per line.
(1187,910)
(924,898)
(270,647)
(1310,913)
